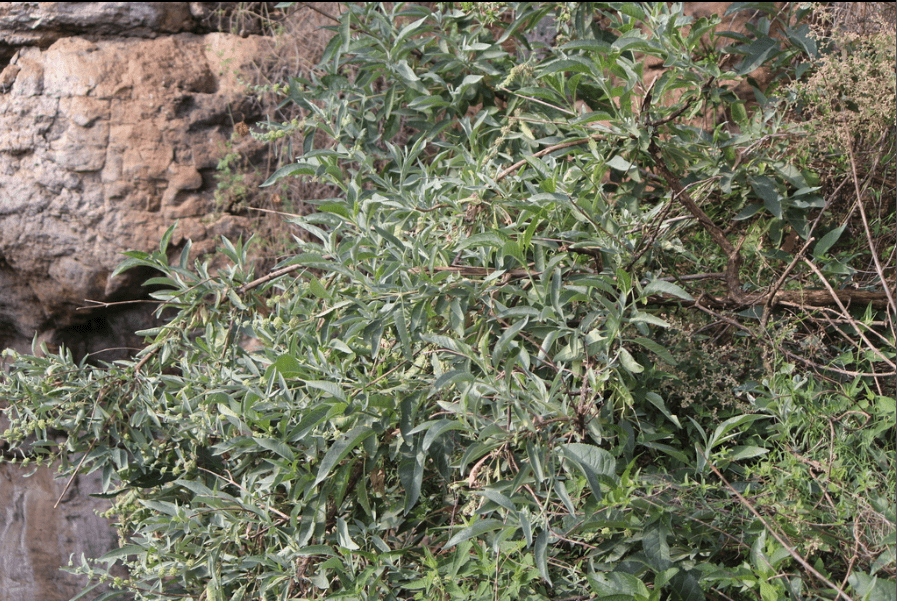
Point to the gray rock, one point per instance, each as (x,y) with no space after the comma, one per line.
(42,23)
(38,539)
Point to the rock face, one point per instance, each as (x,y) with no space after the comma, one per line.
(113,116)
(37,538)
(42,23)
(105,143)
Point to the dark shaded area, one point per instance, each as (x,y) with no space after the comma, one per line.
(108,334)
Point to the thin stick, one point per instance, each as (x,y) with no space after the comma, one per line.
(80,463)
(771,294)
(846,314)
(72,477)
(878,269)
(270,276)
(319,11)
(107,305)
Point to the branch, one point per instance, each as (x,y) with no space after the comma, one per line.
(844,311)
(311,6)
(270,276)
(734,260)
(503,174)
(802,299)
(878,269)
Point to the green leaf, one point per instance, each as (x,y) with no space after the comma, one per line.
(686,588)
(629,362)
(288,170)
(402,329)
(766,189)
(654,543)
(493,239)
(756,54)
(672,452)
(479,527)
(340,449)
(166,239)
(287,366)
(316,288)
(310,420)
(275,446)
(748,211)
(121,552)
(406,72)
(587,44)
(540,554)
(499,499)
(501,345)
(662,287)
(571,64)
(438,429)
(721,432)
(641,317)
(655,348)
(617,583)
(596,464)
(828,241)
(345,540)
(746,452)
(329,387)
(657,400)
(871,588)
(526,527)
(620,164)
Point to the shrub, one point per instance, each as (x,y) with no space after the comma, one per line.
(452,390)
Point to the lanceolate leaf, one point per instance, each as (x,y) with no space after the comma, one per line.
(597,465)
(662,287)
(478,528)
(411,473)
(340,449)
(541,555)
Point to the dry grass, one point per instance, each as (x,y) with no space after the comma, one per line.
(296,39)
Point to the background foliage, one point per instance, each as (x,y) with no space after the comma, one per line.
(549,341)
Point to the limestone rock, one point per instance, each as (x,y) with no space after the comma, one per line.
(42,23)
(106,143)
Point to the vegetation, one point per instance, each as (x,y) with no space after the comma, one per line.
(569,330)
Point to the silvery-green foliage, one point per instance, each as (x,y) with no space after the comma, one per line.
(451,387)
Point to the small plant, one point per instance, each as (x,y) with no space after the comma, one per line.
(850,97)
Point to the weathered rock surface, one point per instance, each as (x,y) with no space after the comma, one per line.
(42,23)
(107,143)
(37,538)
